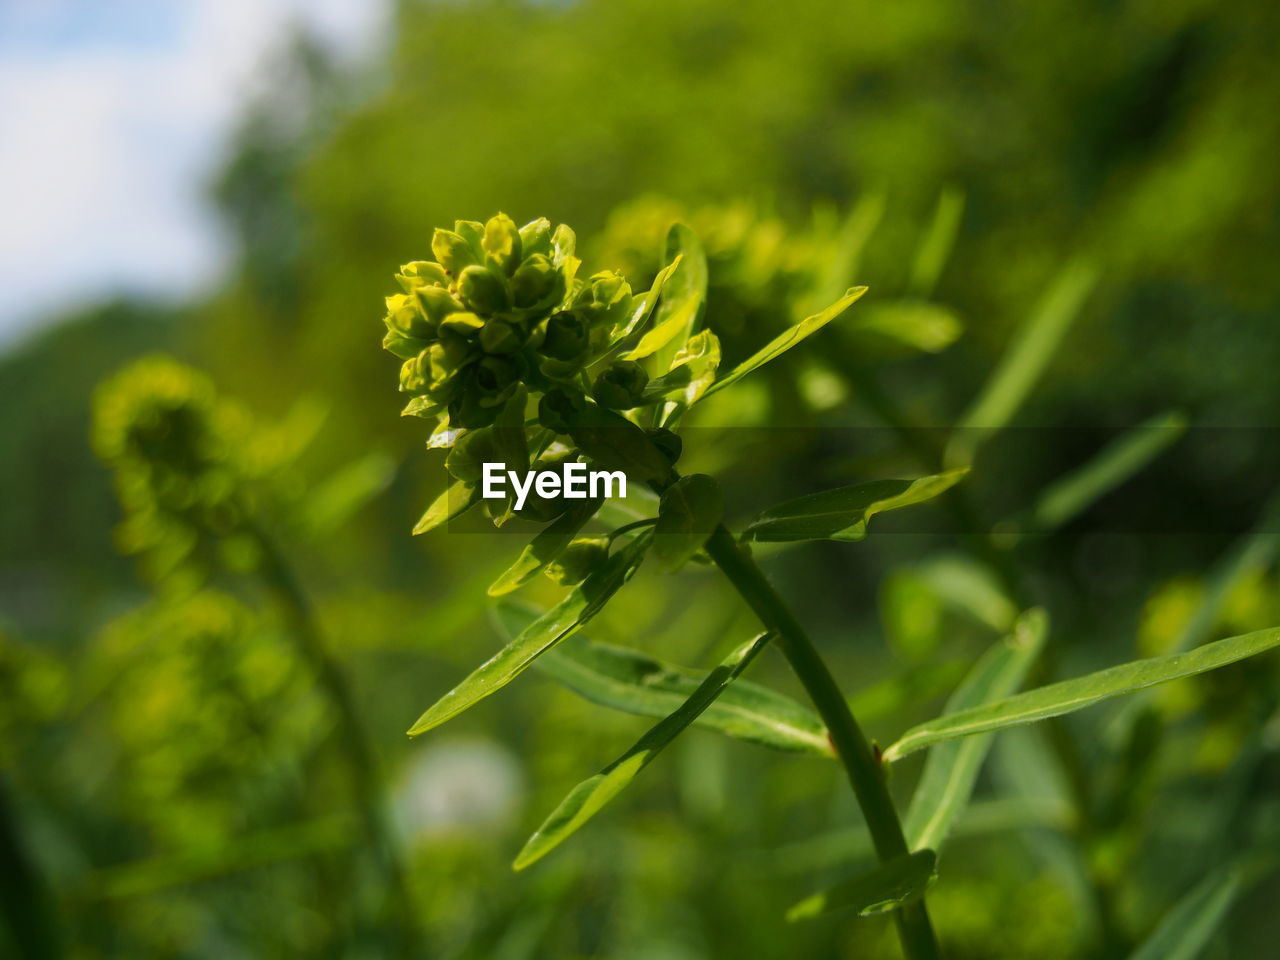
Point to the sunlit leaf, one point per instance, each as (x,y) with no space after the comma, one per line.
(952,768)
(887,886)
(786,340)
(1071,695)
(590,796)
(583,602)
(453,503)
(631,682)
(843,513)
(545,547)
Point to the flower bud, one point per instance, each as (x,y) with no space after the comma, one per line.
(414,375)
(421,273)
(495,374)
(461,324)
(452,250)
(669,443)
(446,357)
(535,281)
(436,303)
(483,292)
(566,337)
(535,237)
(621,385)
(557,408)
(502,243)
(578,560)
(405,317)
(498,336)
(469,454)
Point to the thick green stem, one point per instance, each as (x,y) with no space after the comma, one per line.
(360,758)
(860,764)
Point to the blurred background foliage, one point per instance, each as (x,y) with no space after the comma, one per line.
(179,775)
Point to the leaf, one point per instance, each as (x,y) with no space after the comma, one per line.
(690,509)
(642,307)
(843,513)
(590,796)
(1186,930)
(1023,363)
(545,547)
(935,248)
(917,324)
(685,295)
(888,886)
(631,682)
(968,586)
(1113,465)
(667,328)
(565,618)
(951,770)
(453,503)
(1081,692)
(692,372)
(786,340)
(613,442)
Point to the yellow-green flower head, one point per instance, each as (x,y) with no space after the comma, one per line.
(179,457)
(512,354)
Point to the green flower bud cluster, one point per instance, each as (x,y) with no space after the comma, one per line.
(177,452)
(499,329)
(497,307)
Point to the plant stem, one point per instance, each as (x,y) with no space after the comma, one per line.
(366,781)
(852,749)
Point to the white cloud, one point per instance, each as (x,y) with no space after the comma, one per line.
(109,129)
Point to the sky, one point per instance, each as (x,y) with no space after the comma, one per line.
(114,115)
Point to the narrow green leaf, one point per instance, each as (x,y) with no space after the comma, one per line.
(567,617)
(691,374)
(545,547)
(590,796)
(1189,926)
(631,682)
(1113,465)
(970,587)
(843,513)
(935,247)
(1080,692)
(1021,366)
(887,886)
(928,327)
(786,340)
(952,768)
(453,503)
(690,509)
(665,330)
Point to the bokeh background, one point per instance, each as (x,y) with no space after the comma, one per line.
(235,183)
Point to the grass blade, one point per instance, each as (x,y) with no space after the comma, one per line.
(1021,366)
(843,513)
(1186,930)
(589,797)
(1114,464)
(545,547)
(567,617)
(786,340)
(1080,692)
(950,772)
(631,682)
(935,247)
(888,886)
